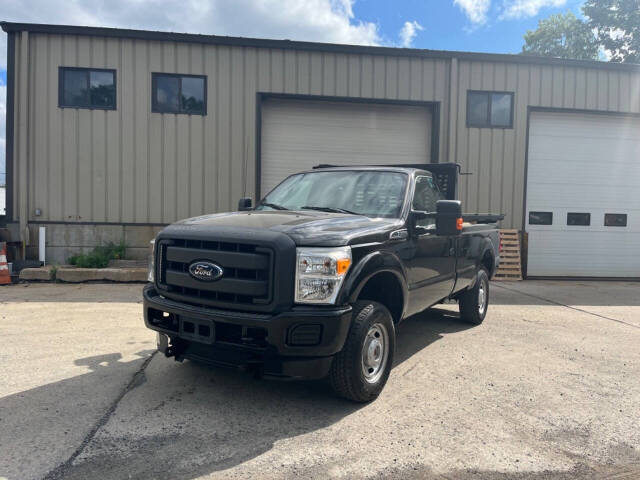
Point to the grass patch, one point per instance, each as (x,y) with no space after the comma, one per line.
(99,257)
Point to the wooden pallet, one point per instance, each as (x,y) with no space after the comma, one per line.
(510,259)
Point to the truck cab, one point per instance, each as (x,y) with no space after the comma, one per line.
(313,281)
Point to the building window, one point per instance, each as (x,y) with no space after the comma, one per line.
(540,218)
(175,93)
(86,88)
(579,219)
(489,109)
(615,219)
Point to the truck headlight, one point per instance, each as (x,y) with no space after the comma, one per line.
(152,262)
(320,273)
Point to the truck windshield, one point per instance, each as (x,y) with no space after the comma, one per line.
(370,193)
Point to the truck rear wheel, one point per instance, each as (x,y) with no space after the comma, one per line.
(360,371)
(474,302)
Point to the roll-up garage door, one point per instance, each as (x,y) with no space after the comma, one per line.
(583,195)
(299,134)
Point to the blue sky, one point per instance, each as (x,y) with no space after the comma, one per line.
(468,25)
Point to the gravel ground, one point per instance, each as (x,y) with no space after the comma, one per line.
(547,388)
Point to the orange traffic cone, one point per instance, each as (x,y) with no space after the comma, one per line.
(5,278)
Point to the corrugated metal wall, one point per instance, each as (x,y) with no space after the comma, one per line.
(496,157)
(134,166)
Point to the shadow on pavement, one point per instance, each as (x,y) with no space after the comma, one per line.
(179,420)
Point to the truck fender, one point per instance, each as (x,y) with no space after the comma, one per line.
(486,247)
(370,265)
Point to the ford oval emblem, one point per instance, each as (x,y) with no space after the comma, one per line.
(205,271)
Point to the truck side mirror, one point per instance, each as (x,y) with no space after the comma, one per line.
(244,204)
(448,217)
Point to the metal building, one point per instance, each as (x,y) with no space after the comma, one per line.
(113,133)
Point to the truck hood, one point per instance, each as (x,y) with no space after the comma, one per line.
(306,228)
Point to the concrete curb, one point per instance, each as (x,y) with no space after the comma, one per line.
(79,275)
(43,274)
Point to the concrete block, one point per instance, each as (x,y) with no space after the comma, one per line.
(44,274)
(79,275)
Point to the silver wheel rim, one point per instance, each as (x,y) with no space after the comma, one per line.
(375,352)
(482,296)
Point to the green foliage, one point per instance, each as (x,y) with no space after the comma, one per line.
(99,257)
(617,27)
(562,36)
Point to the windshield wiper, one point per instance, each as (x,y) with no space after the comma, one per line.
(273,205)
(328,209)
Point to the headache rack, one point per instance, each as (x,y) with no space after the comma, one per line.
(446,174)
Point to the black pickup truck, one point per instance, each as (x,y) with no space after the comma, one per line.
(312,282)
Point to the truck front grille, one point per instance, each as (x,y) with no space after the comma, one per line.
(245,282)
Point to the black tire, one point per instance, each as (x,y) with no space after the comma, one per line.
(347,376)
(469,301)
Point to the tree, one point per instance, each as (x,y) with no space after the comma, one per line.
(562,36)
(617,27)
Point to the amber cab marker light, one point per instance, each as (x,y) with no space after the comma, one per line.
(459,223)
(342,266)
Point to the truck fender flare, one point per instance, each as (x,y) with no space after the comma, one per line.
(369,266)
(487,247)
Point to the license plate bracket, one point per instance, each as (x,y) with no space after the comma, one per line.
(196,329)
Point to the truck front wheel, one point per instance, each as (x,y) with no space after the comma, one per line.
(474,302)
(360,371)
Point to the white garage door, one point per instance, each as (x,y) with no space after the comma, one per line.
(299,134)
(583,195)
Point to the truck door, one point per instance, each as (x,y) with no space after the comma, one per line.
(432,262)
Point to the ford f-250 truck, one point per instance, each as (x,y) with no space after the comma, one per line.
(313,281)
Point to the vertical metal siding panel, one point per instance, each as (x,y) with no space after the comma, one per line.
(142,103)
(154,139)
(303,72)
(84,156)
(238,152)
(498,137)
(526,82)
(249,120)
(263,73)
(169,144)
(546,86)
(442,84)
(16,118)
(603,90)
(613,100)
(223,132)
(635,93)
(39,134)
(625,92)
(127,113)
(569,87)
(290,70)
(196,142)
(592,89)
(113,138)
(355,82)
(183,142)
(70,140)
(415,80)
(580,93)
(316,72)
(211,165)
(557,86)
(328,74)
(483,173)
(534,79)
(379,77)
(367,76)
(475,83)
(54,123)
(508,154)
(98,139)
(342,75)
(277,70)
(391,77)
(404,78)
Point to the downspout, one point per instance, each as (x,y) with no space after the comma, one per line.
(23,113)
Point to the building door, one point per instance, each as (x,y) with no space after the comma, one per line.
(583,195)
(299,134)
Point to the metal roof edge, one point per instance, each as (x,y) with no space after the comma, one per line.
(310,46)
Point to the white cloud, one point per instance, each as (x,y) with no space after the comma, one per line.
(475,10)
(408,32)
(515,9)
(311,20)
